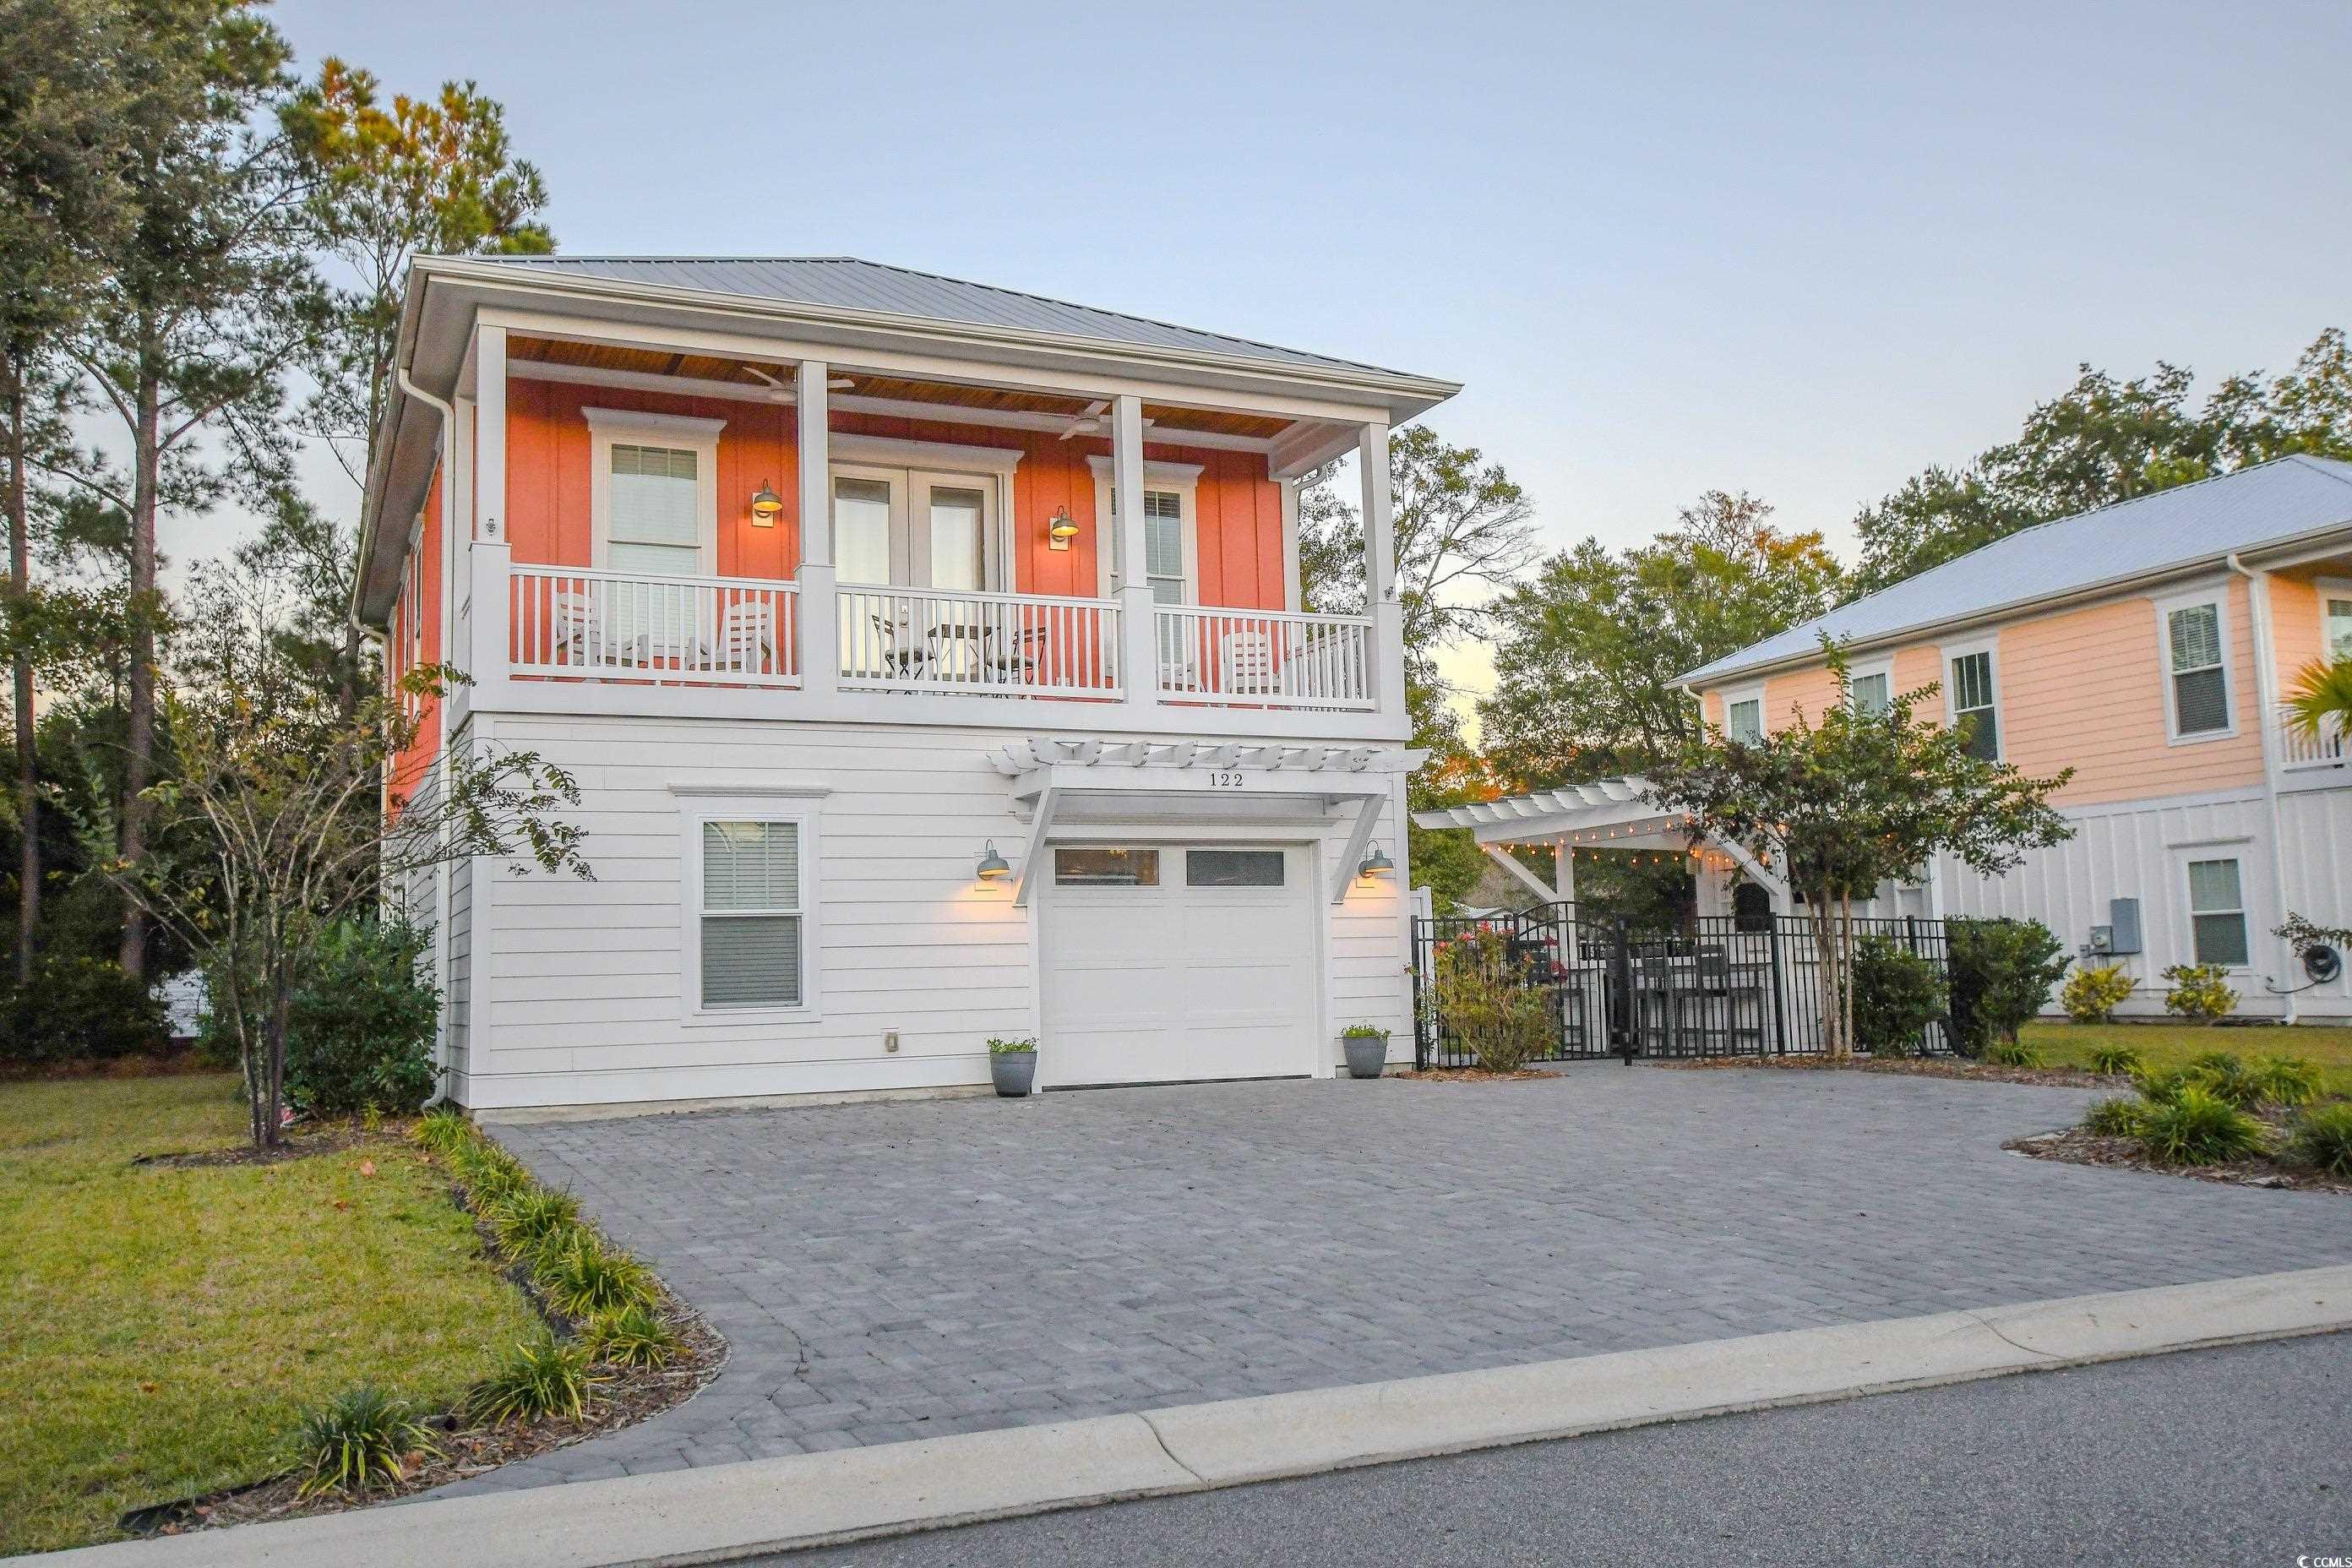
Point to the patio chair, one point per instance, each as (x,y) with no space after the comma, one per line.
(571,622)
(1246,665)
(900,654)
(745,647)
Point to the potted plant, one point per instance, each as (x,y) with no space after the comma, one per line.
(1367,1046)
(1013,1064)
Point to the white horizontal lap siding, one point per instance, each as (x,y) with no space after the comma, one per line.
(1368,980)
(2315,864)
(2139,852)
(458,994)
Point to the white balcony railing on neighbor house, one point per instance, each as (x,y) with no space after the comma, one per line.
(2328,749)
(903,639)
(682,631)
(1262,657)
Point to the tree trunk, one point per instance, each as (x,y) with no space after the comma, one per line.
(1845,970)
(28,776)
(139,736)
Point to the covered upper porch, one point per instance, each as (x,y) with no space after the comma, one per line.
(654,496)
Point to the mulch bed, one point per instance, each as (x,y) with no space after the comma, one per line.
(146,1064)
(1919,1067)
(300,1141)
(2073,1146)
(626,1397)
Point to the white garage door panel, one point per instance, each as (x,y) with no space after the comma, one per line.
(1164,983)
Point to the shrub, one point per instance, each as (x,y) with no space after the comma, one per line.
(2093,994)
(361,1030)
(2161,1087)
(2285,1080)
(2199,992)
(2197,1127)
(78,1009)
(2116,1117)
(490,1173)
(1363,1032)
(2012,1054)
(2217,1062)
(584,1277)
(2116,1059)
(2002,972)
(2322,1139)
(997,1048)
(1488,1005)
(356,1439)
(542,1377)
(634,1335)
(1896,994)
(534,1220)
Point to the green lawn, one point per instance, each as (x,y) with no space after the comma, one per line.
(2168,1046)
(162,1327)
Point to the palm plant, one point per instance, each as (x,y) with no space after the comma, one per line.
(2321,703)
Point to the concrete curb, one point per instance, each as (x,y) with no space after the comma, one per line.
(730,1511)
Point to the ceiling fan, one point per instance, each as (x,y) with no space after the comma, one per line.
(1095,420)
(832,383)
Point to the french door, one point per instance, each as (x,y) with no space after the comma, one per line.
(913,528)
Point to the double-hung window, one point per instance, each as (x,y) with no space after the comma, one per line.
(1743,719)
(2217,913)
(1972,704)
(751,914)
(2336,606)
(1163,545)
(1874,691)
(2196,675)
(1170,568)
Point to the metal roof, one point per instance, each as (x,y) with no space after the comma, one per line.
(845,283)
(2267,504)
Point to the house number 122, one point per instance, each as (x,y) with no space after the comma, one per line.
(1226,779)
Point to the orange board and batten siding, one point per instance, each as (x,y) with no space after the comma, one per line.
(414,638)
(1237,510)
(2081,689)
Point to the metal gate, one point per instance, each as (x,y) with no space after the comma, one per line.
(1725,985)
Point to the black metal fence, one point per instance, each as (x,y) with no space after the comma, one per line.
(1717,986)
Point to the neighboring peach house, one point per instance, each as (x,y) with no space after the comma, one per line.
(932,660)
(2146,645)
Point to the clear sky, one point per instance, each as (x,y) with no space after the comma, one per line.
(1804,251)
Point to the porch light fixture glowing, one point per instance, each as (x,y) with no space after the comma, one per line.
(1377,864)
(1060,529)
(765,504)
(991,863)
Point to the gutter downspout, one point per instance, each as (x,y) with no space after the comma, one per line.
(2258,595)
(443,1052)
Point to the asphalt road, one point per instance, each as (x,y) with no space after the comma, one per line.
(2230,1457)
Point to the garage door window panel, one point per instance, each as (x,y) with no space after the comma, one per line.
(1233,868)
(1090,865)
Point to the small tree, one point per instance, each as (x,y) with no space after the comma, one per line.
(2002,970)
(1839,805)
(283,789)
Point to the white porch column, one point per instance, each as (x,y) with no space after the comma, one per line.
(1293,595)
(1380,570)
(1563,870)
(490,436)
(820,601)
(488,658)
(1139,659)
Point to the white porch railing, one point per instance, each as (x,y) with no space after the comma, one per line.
(1264,658)
(670,631)
(903,639)
(2328,749)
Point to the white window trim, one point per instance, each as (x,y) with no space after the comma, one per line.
(2324,589)
(895,459)
(2218,595)
(2226,849)
(608,428)
(1184,478)
(796,808)
(1952,654)
(1881,664)
(1748,694)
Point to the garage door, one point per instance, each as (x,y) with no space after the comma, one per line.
(1165,964)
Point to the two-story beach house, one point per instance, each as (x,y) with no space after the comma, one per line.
(2147,646)
(932,662)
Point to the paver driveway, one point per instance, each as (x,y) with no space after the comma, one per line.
(888,1272)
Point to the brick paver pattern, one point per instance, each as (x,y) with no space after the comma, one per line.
(896,1270)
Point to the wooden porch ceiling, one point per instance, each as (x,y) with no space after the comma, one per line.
(1166,420)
